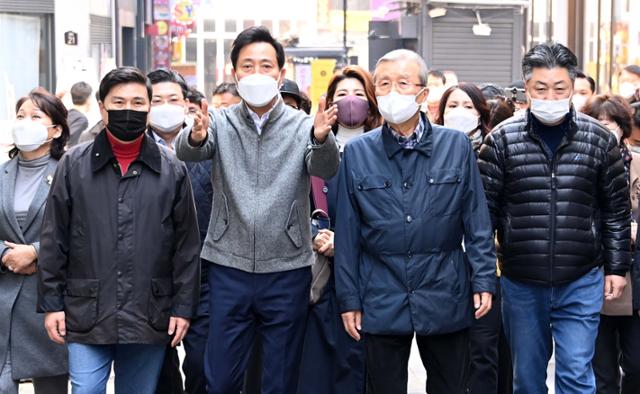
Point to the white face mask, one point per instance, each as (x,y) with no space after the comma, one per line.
(397,108)
(258,89)
(461,119)
(627,89)
(615,130)
(166,118)
(550,112)
(579,101)
(435,94)
(29,135)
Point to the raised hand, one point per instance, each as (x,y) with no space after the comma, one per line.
(200,124)
(325,119)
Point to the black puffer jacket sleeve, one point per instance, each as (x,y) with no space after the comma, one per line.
(492,170)
(614,207)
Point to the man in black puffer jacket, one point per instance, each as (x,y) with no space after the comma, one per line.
(558,198)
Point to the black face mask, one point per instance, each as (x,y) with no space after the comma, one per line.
(126,124)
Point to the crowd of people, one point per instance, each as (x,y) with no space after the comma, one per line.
(290,253)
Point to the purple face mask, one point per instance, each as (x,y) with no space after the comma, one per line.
(352,111)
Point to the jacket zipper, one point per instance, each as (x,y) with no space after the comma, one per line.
(553,220)
(255,186)
(552,209)
(554,197)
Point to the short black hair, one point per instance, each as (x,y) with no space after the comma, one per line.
(305,103)
(438,74)
(80,93)
(252,35)
(549,55)
(636,114)
(194,96)
(592,83)
(491,90)
(122,75)
(161,75)
(226,87)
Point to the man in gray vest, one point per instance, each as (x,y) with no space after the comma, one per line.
(259,237)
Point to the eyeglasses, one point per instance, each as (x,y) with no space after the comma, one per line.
(403,86)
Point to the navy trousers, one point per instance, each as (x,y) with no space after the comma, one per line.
(490,357)
(332,361)
(241,305)
(195,343)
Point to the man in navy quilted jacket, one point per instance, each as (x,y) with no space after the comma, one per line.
(168,116)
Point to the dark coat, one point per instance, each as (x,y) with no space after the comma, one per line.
(119,254)
(557,216)
(401,219)
(33,354)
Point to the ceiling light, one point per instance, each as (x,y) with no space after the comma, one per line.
(437,12)
(481,29)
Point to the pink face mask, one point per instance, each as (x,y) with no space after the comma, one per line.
(352,111)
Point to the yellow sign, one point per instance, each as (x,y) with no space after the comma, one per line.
(357,21)
(321,74)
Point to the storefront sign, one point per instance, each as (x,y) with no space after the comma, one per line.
(71,38)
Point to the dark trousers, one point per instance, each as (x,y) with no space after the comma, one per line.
(332,361)
(195,343)
(170,380)
(445,357)
(242,305)
(490,358)
(253,376)
(617,346)
(51,385)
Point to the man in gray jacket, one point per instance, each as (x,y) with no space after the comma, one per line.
(259,238)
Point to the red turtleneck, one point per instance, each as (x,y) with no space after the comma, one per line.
(125,153)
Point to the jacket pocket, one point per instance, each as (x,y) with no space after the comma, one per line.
(81,304)
(160,302)
(221,222)
(443,190)
(293,229)
(374,195)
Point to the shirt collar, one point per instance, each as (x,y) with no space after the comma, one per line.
(411,141)
(423,143)
(161,141)
(271,115)
(259,121)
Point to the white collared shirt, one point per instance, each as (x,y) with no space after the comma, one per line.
(260,121)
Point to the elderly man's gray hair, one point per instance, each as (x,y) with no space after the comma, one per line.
(549,55)
(409,56)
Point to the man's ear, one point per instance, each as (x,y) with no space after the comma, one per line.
(283,74)
(103,113)
(422,96)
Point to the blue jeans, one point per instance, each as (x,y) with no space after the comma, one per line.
(568,315)
(136,367)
